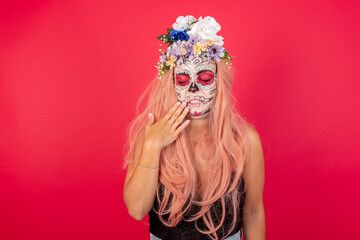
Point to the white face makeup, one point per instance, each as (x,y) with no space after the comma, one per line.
(195,83)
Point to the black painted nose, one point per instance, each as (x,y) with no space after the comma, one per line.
(193,88)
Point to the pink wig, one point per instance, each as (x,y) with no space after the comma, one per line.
(220,170)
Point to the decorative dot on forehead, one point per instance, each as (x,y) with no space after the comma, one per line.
(204,68)
(182,71)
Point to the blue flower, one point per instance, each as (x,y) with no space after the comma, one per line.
(179,35)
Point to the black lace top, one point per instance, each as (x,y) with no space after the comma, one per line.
(187,230)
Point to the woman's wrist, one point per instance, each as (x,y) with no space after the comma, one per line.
(152,145)
(152,151)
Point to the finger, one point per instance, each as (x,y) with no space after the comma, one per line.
(180,118)
(182,126)
(171,111)
(177,113)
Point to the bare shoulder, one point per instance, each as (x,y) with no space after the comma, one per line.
(253,146)
(254,168)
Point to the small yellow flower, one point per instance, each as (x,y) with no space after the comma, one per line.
(170,61)
(172,65)
(204,47)
(209,42)
(172,58)
(183,51)
(197,48)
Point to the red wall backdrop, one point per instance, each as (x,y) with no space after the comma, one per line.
(72,71)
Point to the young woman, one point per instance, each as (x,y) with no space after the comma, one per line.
(194,164)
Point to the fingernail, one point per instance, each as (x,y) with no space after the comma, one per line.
(149,114)
(184,103)
(178,103)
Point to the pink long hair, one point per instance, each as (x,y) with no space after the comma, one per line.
(220,169)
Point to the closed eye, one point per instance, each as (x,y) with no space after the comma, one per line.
(182,79)
(205,77)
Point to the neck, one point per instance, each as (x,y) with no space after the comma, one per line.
(198,126)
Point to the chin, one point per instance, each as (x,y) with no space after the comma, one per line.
(197,113)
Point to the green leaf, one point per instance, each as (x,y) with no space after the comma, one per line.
(165,38)
(169,30)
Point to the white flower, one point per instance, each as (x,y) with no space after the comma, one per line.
(183,23)
(206,29)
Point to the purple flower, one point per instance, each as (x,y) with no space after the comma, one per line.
(162,58)
(215,51)
(193,40)
(174,50)
(191,56)
(188,48)
(179,61)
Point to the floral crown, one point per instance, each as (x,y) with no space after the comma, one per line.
(190,38)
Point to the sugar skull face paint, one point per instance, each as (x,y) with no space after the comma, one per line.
(195,83)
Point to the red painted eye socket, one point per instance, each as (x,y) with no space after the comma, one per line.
(206,78)
(182,80)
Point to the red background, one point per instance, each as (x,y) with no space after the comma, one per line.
(72,71)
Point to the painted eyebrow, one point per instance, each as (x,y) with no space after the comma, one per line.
(206,70)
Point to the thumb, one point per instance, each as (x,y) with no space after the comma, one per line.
(151,119)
